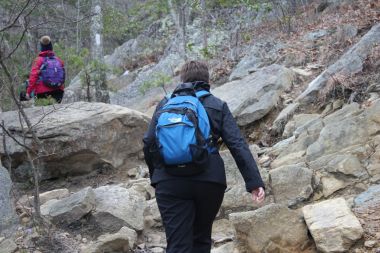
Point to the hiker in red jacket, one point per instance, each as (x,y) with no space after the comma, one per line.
(47,76)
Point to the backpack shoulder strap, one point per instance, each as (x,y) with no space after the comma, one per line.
(202,93)
(168,96)
(44,61)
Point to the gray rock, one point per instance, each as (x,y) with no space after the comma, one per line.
(331,184)
(280,146)
(8,246)
(367,208)
(346,32)
(350,63)
(44,197)
(253,97)
(155,238)
(260,55)
(273,225)
(292,150)
(122,241)
(117,207)
(79,137)
(130,96)
(225,248)
(315,35)
(289,159)
(348,165)
(299,120)
(70,209)
(222,231)
(341,132)
(332,225)
(54,194)
(142,186)
(7,212)
(157,250)
(152,217)
(281,120)
(291,184)
(371,197)
(236,196)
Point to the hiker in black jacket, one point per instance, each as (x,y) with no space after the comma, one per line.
(189,204)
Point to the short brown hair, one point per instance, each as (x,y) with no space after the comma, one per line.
(193,71)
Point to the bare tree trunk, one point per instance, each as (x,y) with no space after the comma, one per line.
(77,29)
(36,175)
(29,36)
(174,15)
(9,159)
(97,31)
(36,140)
(101,92)
(183,24)
(204,24)
(178,14)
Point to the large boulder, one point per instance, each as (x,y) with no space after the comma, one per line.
(261,54)
(272,228)
(332,225)
(340,148)
(70,209)
(117,207)
(77,138)
(349,64)
(291,184)
(345,128)
(236,196)
(45,197)
(122,241)
(7,213)
(253,97)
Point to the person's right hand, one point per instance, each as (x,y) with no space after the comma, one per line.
(258,195)
(27,96)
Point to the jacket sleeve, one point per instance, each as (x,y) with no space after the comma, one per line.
(34,75)
(239,149)
(150,139)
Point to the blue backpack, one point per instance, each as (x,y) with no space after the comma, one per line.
(52,72)
(183,129)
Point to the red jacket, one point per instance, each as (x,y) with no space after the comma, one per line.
(35,84)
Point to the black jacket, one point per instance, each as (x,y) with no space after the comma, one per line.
(222,125)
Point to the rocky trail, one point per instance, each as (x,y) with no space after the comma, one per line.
(308,104)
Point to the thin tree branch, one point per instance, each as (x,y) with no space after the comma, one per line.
(5,130)
(17,17)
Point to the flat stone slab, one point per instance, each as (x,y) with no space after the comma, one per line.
(332,224)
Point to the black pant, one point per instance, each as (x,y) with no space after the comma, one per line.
(56,94)
(188,209)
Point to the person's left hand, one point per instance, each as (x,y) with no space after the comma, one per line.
(258,195)
(27,96)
